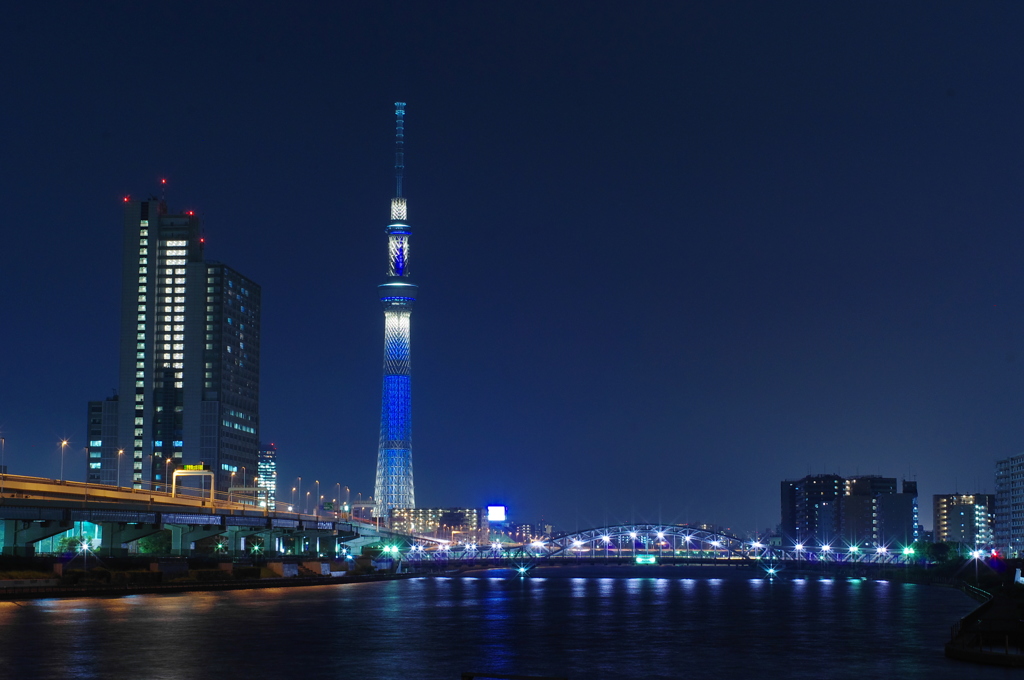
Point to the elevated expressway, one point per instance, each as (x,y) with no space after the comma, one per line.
(34,508)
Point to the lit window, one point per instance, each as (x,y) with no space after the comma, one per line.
(95,466)
(95,442)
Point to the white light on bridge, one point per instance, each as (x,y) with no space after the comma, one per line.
(826,548)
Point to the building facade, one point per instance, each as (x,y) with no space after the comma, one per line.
(267,480)
(189,359)
(1009,529)
(394,482)
(810,508)
(968,519)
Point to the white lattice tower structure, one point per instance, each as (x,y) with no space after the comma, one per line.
(394,484)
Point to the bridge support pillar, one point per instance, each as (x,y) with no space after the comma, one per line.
(272,543)
(115,535)
(20,536)
(184,535)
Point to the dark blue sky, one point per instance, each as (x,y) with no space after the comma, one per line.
(668,255)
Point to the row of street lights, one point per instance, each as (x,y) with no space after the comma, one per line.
(64,443)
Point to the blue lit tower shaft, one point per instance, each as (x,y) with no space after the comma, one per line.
(394,487)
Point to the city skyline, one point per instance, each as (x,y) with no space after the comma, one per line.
(673,255)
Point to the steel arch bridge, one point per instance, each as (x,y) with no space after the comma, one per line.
(645,538)
(642,542)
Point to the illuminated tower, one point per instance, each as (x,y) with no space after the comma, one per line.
(394,488)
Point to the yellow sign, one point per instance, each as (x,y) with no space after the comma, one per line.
(201,466)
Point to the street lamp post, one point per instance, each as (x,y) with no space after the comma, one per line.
(307,502)
(63,445)
(3,466)
(317,509)
(120,452)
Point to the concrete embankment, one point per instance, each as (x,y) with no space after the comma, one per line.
(992,634)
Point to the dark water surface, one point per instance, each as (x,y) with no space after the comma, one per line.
(437,628)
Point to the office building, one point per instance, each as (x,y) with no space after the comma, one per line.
(968,519)
(267,480)
(1009,529)
(394,482)
(189,359)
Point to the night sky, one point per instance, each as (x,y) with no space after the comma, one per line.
(668,254)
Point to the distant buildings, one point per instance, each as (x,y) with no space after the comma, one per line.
(1009,530)
(827,508)
(189,359)
(965,518)
(458,525)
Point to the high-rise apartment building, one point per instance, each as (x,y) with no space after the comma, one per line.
(810,508)
(394,485)
(1009,530)
(965,518)
(189,360)
(267,481)
(874,513)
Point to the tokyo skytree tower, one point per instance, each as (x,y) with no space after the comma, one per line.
(394,487)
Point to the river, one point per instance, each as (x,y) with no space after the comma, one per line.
(554,624)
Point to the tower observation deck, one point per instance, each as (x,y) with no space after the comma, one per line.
(394,486)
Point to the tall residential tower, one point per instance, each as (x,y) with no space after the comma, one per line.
(394,488)
(190,339)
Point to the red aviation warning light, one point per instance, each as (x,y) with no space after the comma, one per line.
(163,181)
(127,198)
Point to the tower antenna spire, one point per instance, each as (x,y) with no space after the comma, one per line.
(399,147)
